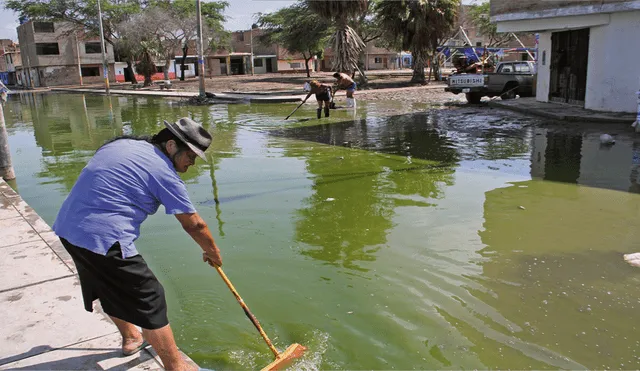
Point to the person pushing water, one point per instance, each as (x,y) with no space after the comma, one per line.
(323,95)
(346,83)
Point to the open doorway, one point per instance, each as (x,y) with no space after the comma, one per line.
(237,66)
(269,65)
(569,56)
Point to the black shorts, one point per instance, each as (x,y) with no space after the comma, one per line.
(127,288)
(323,97)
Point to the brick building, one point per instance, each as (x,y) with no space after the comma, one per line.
(9,61)
(266,58)
(54,54)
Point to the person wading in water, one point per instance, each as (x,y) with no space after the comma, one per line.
(346,83)
(127,180)
(323,95)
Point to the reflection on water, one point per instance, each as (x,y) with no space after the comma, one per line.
(451,238)
(354,193)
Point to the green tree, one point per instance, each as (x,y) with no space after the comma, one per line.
(480,18)
(144,33)
(83,15)
(183,13)
(146,64)
(419,26)
(297,29)
(345,42)
(370,31)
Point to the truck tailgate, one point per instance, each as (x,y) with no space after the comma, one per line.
(465,81)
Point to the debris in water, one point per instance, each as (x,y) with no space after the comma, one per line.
(521,208)
(350,312)
(330,199)
(607,139)
(633,259)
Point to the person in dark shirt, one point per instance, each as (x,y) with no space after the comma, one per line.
(323,96)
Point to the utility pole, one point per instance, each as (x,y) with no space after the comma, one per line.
(79,64)
(200,51)
(251,38)
(105,65)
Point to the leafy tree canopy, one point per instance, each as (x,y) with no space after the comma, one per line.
(297,29)
(480,17)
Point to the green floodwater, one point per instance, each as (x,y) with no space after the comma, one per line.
(451,238)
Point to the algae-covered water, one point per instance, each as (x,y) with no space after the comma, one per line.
(450,238)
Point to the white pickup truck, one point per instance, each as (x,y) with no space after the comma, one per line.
(510,79)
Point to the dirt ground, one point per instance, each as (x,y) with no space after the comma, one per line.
(380,86)
(284,82)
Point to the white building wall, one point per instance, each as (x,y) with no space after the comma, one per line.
(190,69)
(544,72)
(262,69)
(614,49)
(119,68)
(612,71)
(570,22)
(285,65)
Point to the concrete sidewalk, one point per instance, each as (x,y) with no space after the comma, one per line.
(42,317)
(562,112)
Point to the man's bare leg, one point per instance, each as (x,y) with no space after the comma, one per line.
(131,337)
(164,344)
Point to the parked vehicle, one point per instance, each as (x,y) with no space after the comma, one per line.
(510,79)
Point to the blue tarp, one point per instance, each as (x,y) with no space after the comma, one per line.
(4,77)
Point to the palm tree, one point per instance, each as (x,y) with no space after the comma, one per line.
(419,26)
(346,42)
(146,65)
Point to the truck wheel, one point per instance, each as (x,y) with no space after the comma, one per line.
(473,98)
(510,92)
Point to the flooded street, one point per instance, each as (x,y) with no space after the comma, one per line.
(405,235)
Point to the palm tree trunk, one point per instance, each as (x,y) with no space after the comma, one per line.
(306,63)
(419,57)
(148,71)
(185,49)
(128,71)
(347,46)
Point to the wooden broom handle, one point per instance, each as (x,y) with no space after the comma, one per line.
(253,319)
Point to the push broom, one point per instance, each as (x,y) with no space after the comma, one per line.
(282,359)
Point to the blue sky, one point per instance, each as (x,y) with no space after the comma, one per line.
(240,14)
